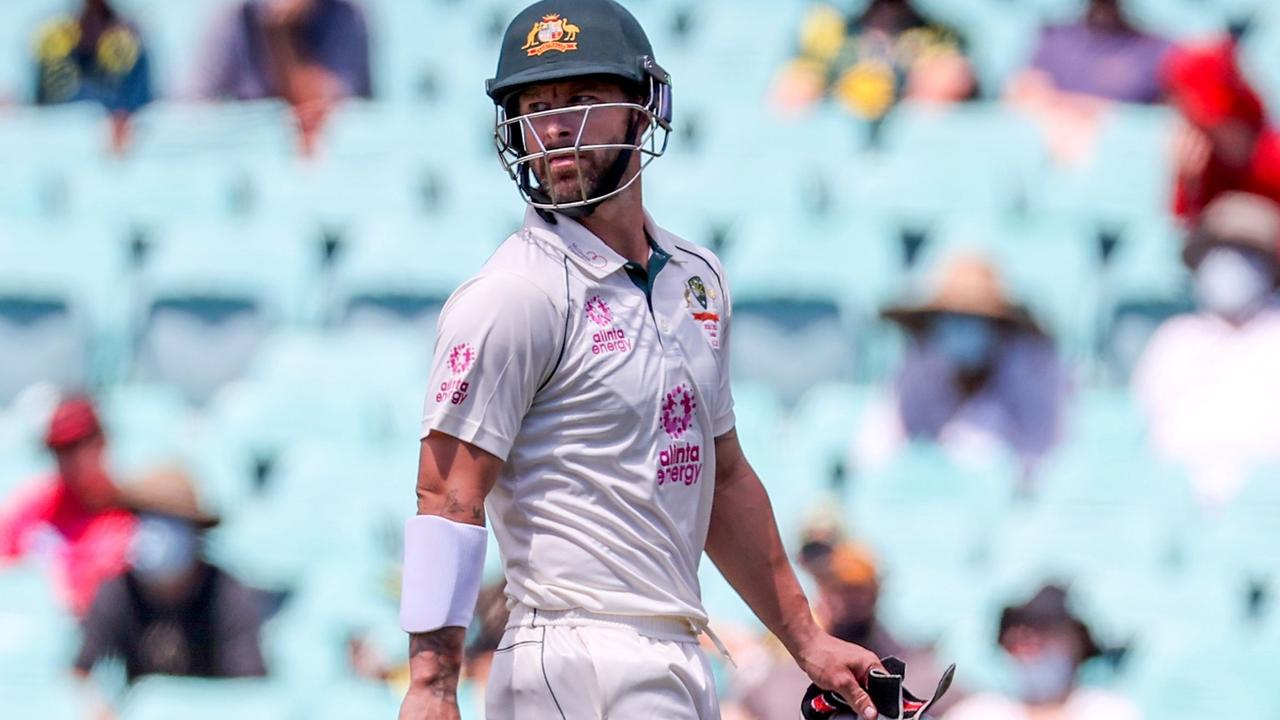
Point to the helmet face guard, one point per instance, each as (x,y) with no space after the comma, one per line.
(653,116)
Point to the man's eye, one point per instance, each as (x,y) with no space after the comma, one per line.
(584,99)
(537,107)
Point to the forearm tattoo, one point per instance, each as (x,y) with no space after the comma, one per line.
(437,655)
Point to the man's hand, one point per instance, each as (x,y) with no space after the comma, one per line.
(840,666)
(435,662)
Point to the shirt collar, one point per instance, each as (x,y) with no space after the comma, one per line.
(588,251)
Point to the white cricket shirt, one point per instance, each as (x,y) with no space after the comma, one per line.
(604,400)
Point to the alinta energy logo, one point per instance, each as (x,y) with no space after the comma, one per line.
(680,463)
(609,338)
(461,358)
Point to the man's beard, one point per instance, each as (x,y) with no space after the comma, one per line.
(565,186)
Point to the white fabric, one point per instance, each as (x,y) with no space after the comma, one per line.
(1083,704)
(605,414)
(1209,391)
(443,566)
(573,667)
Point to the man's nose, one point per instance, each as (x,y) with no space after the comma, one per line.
(559,128)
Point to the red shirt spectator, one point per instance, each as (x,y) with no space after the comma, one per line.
(1229,144)
(72,515)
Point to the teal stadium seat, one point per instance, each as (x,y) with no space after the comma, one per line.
(42,146)
(1144,283)
(58,308)
(926,512)
(938,162)
(161,698)
(397,275)
(1178,19)
(38,638)
(1128,178)
(209,295)
(801,293)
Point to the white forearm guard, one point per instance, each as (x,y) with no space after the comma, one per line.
(443,564)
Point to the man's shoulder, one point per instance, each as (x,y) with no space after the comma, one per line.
(524,270)
(694,251)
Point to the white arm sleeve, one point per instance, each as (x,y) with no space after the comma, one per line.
(498,339)
(440,580)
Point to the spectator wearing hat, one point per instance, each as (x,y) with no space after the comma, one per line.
(1081,69)
(1048,644)
(1207,381)
(73,516)
(979,375)
(173,612)
(1227,142)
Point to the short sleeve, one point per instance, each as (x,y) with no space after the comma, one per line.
(723,419)
(498,340)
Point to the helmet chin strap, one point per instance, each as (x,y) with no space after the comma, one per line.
(609,182)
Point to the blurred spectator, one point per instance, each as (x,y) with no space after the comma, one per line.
(868,61)
(311,53)
(72,516)
(979,375)
(173,613)
(848,589)
(1207,381)
(1227,142)
(1080,69)
(96,56)
(1048,644)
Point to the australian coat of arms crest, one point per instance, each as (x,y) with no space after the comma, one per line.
(552,32)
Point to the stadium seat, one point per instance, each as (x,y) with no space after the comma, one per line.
(1129,176)
(161,698)
(171,130)
(59,302)
(148,424)
(805,285)
(926,512)
(1143,284)
(38,637)
(209,296)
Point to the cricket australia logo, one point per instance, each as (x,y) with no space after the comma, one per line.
(680,463)
(700,300)
(552,33)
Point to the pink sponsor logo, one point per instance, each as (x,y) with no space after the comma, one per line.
(680,464)
(461,358)
(598,311)
(677,411)
(610,338)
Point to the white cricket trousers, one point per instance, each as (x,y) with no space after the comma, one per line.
(575,665)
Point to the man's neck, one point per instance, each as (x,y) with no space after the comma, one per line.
(619,222)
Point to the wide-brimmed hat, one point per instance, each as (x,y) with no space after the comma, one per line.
(967,285)
(73,421)
(1236,218)
(167,491)
(1047,610)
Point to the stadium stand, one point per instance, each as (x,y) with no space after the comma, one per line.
(269,320)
